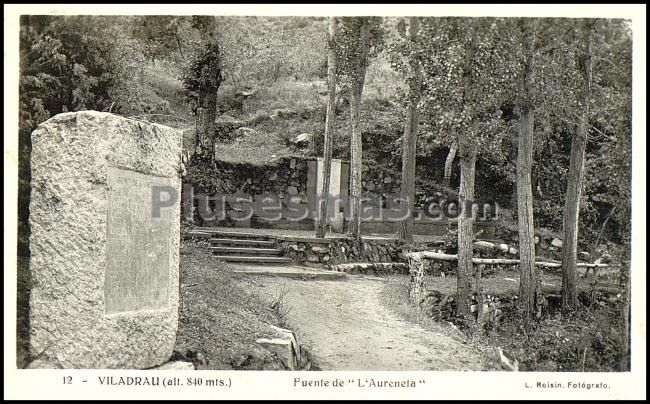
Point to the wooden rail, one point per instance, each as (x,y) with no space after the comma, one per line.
(493,261)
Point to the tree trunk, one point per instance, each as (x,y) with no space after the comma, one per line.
(467,152)
(465,221)
(356,152)
(207,118)
(625,349)
(410,138)
(323,203)
(514,144)
(528,274)
(355,166)
(575,181)
(211,80)
(449,163)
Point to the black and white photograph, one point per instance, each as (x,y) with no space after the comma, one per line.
(211,193)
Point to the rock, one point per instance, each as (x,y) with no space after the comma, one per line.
(312,258)
(283,348)
(486,245)
(230,121)
(44,363)
(247,93)
(320,249)
(513,251)
(504,247)
(244,131)
(104,268)
(556,243)
(326,258)
(291,190)
(304,138)
(283,113)
(176,365)
(287,348)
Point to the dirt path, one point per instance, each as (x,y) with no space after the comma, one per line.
(347,327)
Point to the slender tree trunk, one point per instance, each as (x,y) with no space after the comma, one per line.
(208,105)
(449,163)
(465,222)
(207,127)
(356,153)
(514,143)
(323,203)
(602,231)
(178,42)
(356,138)
(575,181)
(410,138)
(467,153)
(528,274)
(625,349)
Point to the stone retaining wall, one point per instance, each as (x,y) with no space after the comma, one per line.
(334,251)
(341,250)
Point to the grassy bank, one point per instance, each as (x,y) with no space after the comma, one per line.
(588,340)
(219,320)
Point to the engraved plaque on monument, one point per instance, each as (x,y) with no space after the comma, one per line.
(137,244)
(104,255)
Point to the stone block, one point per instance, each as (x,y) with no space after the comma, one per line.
(104,262)
(283,348)
(176,365)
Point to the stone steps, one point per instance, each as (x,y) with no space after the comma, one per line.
(237,235)
(242,242)
(255,259)
(242,247)
(246,251)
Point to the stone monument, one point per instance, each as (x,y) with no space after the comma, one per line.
(105,234)
(314,190)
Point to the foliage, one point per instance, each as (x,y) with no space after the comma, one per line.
(262,50)
(203,74)
(81,62)
(74,63)
(71,63)
(449,104)
(162,36)
(348,46)
(608,181)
